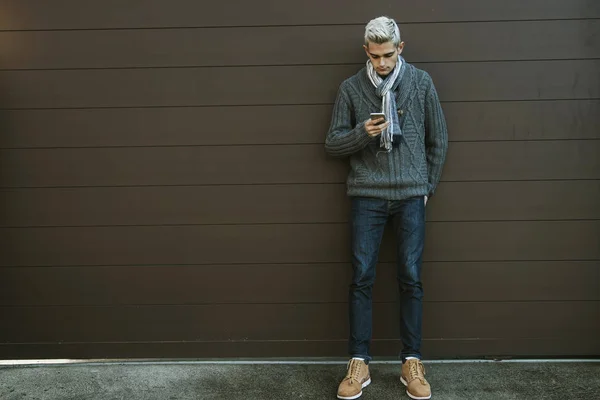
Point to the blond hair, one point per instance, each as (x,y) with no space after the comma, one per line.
(381,30)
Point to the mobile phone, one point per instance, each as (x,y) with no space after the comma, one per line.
(375,116)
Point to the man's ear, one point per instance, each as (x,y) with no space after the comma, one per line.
(400,47)
(366,50)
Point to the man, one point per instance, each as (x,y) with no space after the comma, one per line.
(396,163)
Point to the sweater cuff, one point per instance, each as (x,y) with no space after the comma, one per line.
(363,138)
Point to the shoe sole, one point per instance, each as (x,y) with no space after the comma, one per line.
(364,385)
(410,395)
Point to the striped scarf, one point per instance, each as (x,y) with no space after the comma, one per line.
(383,88)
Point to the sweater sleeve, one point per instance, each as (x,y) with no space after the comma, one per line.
(436,137)
(343,139)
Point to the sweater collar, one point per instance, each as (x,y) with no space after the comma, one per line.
(401,86)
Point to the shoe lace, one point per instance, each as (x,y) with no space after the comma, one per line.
(354,370)
(417,371)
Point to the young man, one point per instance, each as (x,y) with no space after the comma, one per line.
(396,163)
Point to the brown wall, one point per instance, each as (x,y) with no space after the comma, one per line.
(164,191)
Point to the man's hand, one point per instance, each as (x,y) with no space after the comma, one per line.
(373,129)
(426,198)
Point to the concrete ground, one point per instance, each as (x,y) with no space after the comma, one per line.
(189,380)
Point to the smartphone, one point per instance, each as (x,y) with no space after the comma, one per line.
(375,116)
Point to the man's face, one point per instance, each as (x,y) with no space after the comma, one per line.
(384,56)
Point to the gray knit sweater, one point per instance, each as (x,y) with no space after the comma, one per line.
(411,169)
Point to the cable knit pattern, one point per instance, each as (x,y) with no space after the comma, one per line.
(414,167)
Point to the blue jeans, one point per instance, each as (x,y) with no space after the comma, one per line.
(368,219)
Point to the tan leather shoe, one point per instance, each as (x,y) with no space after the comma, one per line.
(413,377)
(356,379)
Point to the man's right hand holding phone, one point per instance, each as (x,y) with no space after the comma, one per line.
(375,125)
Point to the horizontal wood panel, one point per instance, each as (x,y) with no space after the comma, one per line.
(431,349)
(73,14)
(170,166)
(446,320)
(296,283)
(214,244)
(577,39)
(506,201)
(311,203)
(468,161)
(523,160)
(526,80)
(528,120)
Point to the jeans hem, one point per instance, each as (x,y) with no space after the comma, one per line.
(366,358)
(403,357)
